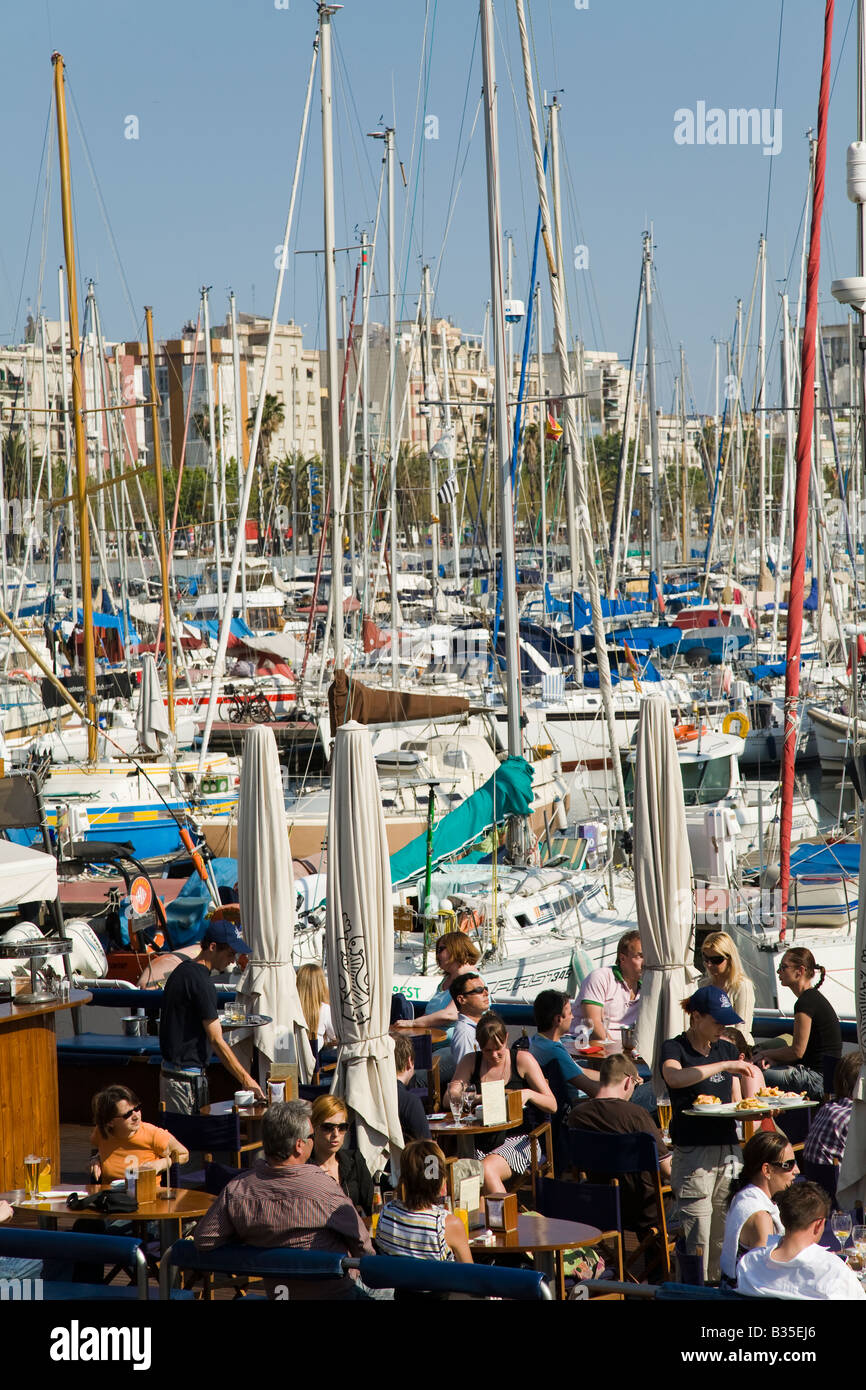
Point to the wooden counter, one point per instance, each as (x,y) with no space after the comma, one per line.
(29,1111)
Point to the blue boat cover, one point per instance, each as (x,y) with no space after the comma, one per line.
(647,673)
(825,859)
(212,627)
(113,622)
(507,793)
(185,917)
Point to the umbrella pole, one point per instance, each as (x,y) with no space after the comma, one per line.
(428,874)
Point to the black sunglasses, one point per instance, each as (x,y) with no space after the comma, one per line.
(785,1167)
(334,1128)
(136,1110)
(714,960)
(467,992)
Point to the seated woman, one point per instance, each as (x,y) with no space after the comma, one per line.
(316,1004)
(503,1157)
(724,969)
(769,1167)
(120,1133)
(800,1065)
(825,1142)
(330,1120)
(414,1224)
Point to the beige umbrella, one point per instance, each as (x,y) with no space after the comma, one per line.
(266,888)
(359,930)
(663,883)
(851,1185)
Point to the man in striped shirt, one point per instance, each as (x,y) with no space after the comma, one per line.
(284,1200)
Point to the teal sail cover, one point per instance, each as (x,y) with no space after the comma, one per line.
(507,793)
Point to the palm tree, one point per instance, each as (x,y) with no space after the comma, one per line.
(273,415)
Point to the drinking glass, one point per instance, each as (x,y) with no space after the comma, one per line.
(840,1224)
(32,1165)
(858,1236)
(470,1098)
(665,1111)
(455,1100)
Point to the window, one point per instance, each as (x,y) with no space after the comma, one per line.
(309,374)
(278,373)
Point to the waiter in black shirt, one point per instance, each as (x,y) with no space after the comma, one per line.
(189,1027)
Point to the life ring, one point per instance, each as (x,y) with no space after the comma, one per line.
(737,717)
(18,674)
(684,733)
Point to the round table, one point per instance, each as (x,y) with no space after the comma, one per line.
(185,1204)
(463,1132)
(545,1238)
(417,1030)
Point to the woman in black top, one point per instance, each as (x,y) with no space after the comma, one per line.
(700,1062)
(330,1121)
(817,1034)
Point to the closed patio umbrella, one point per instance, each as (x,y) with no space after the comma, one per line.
(266,888)
(360,935)
(152,719)
(663,883)
(851,1186)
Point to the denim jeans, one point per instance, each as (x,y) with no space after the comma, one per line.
(796,1078)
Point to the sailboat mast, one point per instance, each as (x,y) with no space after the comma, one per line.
(542,426)
(655,519)
(238,424)
(160,507)
(500,402)
(90,704)
(393,442)
(568,444)
(763,576)
(325,14)
(67,454)
(211,431)
(427,369)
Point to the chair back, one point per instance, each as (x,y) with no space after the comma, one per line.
(275,1262)
(612,1153)
(446,1276)
(594,1203)
(76,1247)
(205,1133)
(218,1175)
(562,1094)
(422,1048)
(401,1008)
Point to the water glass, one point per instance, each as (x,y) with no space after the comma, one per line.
(840,1224)
(858,1236)
(455,1100)
(32,1165)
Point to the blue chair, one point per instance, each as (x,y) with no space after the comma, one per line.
(207,1134)
(407,1275)
(564,1095)
(219,1175)
(596,1204)
(619,1154)
(425,1060)
(273,1262)
(74,1247)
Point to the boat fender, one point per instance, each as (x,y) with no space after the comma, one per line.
(468,919)
(738,718)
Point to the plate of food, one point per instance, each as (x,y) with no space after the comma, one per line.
(755,1103)
(775,1096)
(711,1105)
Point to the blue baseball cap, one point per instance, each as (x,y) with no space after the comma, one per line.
(713,1001)
(224,933)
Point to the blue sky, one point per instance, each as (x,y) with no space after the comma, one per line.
(217,88)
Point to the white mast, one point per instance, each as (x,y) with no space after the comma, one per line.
(212,465)
(365,425)
(238,422)
(449,443)
(325,13)
(67,450)
(569,442)
(655,519)
(763,575)
(542,426)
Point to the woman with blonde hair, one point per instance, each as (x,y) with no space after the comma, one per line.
(315,1003)
(724,970)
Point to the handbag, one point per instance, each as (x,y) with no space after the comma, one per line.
(107,1202)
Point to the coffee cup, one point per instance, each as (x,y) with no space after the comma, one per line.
(243,1098)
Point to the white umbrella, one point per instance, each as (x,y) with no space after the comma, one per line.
(360,935)
(851,1186)
(663,883)
(266,887)
(152,718)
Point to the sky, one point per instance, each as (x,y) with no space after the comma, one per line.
(212,92)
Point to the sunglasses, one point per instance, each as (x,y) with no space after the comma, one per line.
(785,1167)
(714,960)
(136,1110)
(467,992)
(335,1128)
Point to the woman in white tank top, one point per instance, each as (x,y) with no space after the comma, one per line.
(769,1167)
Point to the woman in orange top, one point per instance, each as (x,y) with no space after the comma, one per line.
(120,1132)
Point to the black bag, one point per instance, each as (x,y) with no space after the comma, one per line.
(106,1202)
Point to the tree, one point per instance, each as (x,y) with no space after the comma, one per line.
(273,415)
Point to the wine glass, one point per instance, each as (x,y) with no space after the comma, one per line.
(858,1237)
(470,1098)
(840,1224)
(455,1099)
(665,1110)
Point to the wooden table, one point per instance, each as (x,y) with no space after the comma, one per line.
(543,1237)
(463,1132)
(184,1205)
(29,1103)
(416,1030)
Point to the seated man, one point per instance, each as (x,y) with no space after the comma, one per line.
(413,1120)
(609,998)
(284,1200)
(552,1009)
(795,1265)
(612,1111)
(472,998)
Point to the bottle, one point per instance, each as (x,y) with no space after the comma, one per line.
(130,1172)
(377,1211)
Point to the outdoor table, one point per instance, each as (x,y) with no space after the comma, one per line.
(185,1204)
(464,1131)
(416,1030)
(250,1116)
(543,1237)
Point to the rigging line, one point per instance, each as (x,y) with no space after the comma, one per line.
(408,228)
(842,49)
(15,324)
(46,215)
(349,98)
(101,201)
(453,207)
(463,117)
(573,206)
(521,139)
(775,104)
